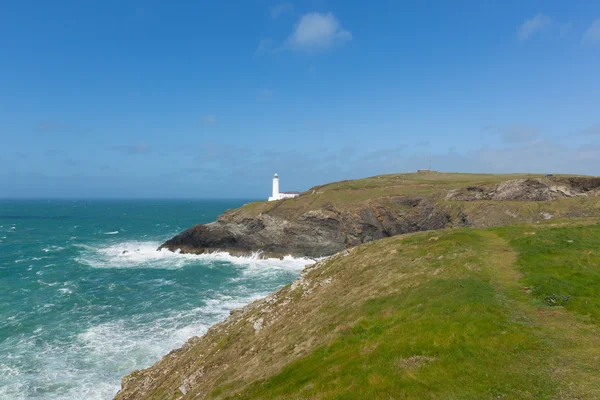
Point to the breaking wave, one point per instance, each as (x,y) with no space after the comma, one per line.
(136,254)
(89,362)
(86,367)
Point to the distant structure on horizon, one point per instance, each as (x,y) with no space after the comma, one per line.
(277,195)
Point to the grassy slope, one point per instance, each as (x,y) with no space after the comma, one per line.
(453,314)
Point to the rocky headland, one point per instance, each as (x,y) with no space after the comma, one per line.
(327,219)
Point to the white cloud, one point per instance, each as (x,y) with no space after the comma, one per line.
(316,32)
(208,120)
(281,9)
(264,46)
(531,26)
(592,34)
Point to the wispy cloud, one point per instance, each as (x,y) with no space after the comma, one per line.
(592,34)
(532,26)
(264,94)
(593,130)
(519,133)
(512,134)
(265,46)
(317,32)
(131,149)
(208,119)
(280,9)
(57,127)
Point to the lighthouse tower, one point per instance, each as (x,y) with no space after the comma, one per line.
(276,187)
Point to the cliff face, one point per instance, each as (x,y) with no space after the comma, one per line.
(338,216)
(313,233)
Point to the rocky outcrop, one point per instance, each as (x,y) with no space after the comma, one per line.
(335,226)
(538,189)
(314,233)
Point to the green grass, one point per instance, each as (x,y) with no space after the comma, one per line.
(445,339)
(473,333)
(561,266)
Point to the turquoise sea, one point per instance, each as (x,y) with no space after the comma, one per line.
(85,298)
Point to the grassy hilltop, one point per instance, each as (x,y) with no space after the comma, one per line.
(463,313)
(385,190)
(353,192)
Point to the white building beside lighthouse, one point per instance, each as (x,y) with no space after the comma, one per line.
(277,195)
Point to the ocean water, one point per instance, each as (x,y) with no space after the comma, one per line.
(85,298)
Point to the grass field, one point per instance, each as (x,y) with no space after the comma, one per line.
(463,314)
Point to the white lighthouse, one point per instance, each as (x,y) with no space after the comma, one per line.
(275,186)
(277,195)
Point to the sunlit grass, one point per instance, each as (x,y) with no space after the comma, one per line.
(470,331)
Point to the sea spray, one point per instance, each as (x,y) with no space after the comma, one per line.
(135,254)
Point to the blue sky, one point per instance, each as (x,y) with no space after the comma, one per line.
(209,99)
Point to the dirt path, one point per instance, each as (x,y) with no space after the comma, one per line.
(572,345)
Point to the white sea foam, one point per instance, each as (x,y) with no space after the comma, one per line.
(111,233)
(132,254)
(47,283)
(29,259)
(141,344)
(91,362)
(52,249)
(91,366)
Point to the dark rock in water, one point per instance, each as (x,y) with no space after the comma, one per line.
(125,252)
